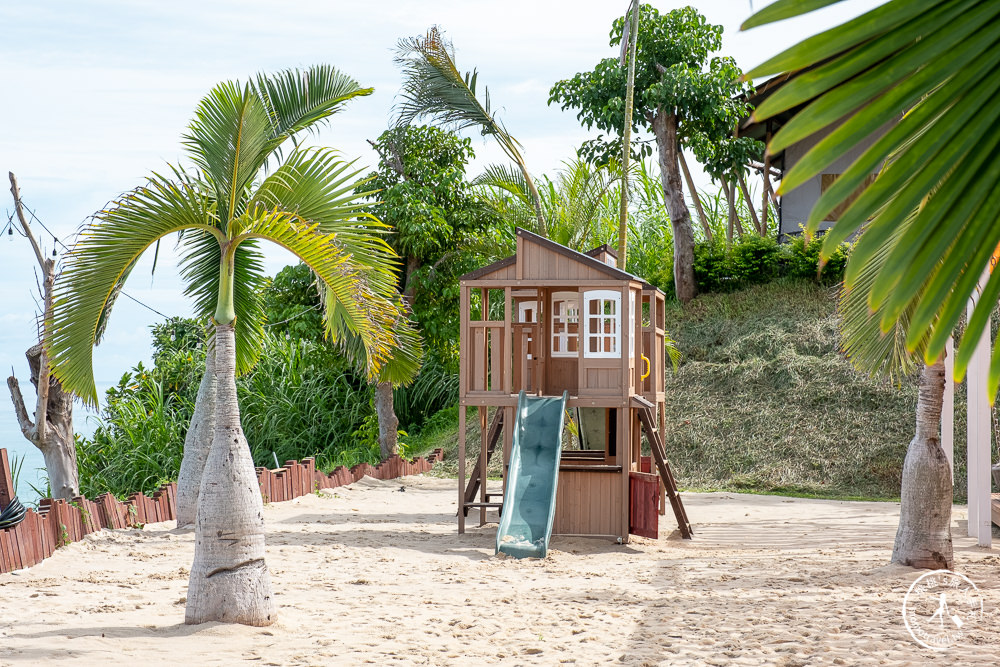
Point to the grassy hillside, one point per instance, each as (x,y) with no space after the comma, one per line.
(765,402)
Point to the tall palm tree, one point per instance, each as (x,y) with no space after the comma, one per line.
(243,189)
(433,87)
(930,218)
(860,75)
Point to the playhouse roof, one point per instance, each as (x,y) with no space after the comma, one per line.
(587,259)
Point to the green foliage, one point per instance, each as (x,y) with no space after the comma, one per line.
(674,75)
(436,218)
(751,260)
(292,305)
(302,399)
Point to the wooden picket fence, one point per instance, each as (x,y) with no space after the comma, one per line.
(58,522)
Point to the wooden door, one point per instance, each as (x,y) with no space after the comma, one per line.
(643,504)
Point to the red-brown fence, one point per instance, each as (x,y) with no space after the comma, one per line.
(58,522)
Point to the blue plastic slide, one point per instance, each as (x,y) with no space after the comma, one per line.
(530,499)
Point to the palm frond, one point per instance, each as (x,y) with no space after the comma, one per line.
(938,59)
(299,100)
(102,255)
(358,299)
(433,87)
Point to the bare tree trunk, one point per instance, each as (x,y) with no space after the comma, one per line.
(924,536)
(197,443)
(229,579)
(52,430)
(750,205)
(59,446)
(665,129)
(388,423)
(693,191)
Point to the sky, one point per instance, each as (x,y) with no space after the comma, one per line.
(97,95)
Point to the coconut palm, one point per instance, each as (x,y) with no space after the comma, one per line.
(433,87)
(243,189)
(858,77)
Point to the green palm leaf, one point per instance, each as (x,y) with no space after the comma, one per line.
(939,58)
(354,303)
(433,87)
(104,253)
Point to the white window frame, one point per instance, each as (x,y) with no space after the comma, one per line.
(522,310)
(602,296)
(631,322)
(565,319)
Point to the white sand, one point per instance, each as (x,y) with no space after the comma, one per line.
(372,575)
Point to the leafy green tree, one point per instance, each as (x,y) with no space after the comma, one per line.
(684,97)
(436,218)
(433,87)
(243,189)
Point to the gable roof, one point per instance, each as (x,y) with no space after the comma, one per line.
(583,258)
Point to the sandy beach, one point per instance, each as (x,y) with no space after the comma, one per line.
(375,573)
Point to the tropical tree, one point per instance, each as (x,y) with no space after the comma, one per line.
(423,195)
(923,538)
(433,87)
(684,97)
(243,189)
(930,218)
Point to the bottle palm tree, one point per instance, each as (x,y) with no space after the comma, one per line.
(923,538)
(243,190)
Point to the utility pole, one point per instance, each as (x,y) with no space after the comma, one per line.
(630,35)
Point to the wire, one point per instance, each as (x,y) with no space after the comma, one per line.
(297,315)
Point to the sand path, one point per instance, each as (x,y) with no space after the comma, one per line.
(372,574)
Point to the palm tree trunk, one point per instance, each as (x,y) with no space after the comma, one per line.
(665,129)
(388,422)
(229,579)
(197,443)
(923,539)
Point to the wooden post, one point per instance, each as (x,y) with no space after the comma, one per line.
(461,465)
(7,490)
(694,195)
(948,406)
(483,460)
(979,431)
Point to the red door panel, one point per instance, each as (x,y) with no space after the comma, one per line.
(644,500)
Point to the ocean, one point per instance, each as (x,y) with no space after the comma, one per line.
(22,454)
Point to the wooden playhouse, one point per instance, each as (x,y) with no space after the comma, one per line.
(549,320)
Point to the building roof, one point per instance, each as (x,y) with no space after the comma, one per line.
(583,258)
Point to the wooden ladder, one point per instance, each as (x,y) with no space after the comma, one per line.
(492,440)
(645,409)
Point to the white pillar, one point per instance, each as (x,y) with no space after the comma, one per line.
(948,407)
(979,459)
